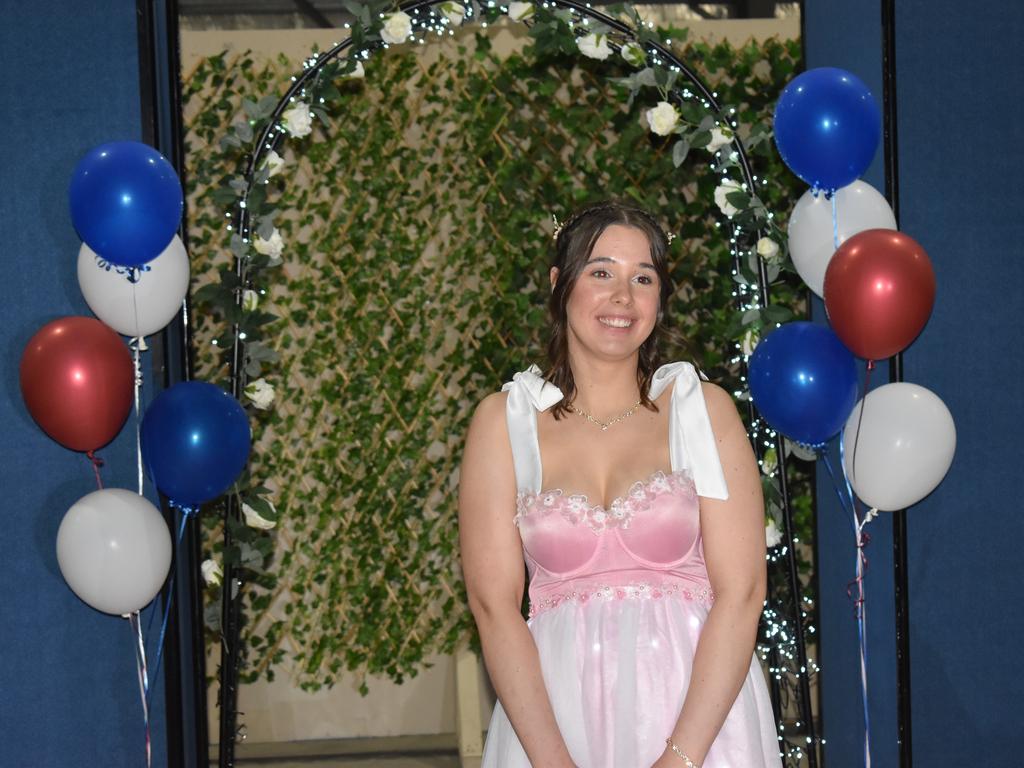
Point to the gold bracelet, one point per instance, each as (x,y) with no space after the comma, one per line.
(682,755)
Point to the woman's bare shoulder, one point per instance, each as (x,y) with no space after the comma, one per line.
(489,418)
(720,404)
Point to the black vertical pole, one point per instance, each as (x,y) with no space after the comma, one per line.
(184,645)
(899,523)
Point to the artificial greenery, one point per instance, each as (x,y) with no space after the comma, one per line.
(416,239)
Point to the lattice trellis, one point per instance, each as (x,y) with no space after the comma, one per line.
(414,284)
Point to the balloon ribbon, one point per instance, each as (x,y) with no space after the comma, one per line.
(97,462)
(862,539)
(186,513)
(140,663)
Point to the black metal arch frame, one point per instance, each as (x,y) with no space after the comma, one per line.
(271,138)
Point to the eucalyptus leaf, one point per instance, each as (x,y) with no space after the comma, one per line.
(679,152)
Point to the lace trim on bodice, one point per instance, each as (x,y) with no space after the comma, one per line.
(578,510)
(637,591)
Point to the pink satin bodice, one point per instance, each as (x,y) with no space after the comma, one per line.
(645,544)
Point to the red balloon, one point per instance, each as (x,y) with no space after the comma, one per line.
(879,292)
(78,380)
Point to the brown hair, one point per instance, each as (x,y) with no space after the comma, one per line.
(573,247)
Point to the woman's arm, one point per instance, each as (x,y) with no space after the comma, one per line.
(734,551)
(492,563)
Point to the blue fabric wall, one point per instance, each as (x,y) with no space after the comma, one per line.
(960,80)
(960,124)
(67,672)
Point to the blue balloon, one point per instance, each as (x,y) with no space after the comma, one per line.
(827,127)
(803,382)
(195,442)
(126,202)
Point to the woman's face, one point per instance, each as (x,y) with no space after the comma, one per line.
(613,306)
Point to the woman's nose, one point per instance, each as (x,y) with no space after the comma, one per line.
(623,294)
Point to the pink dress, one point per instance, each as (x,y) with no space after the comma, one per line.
(618,597)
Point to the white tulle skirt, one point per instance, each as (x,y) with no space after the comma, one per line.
(616,672)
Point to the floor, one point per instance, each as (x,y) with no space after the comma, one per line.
(399,752)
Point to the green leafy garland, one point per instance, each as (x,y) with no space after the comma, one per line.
(366,614)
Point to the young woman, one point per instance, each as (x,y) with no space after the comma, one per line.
(632,492)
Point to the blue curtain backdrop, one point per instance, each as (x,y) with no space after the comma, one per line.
(959,131)
(67,672)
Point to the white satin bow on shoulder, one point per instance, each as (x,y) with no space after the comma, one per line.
(541,394)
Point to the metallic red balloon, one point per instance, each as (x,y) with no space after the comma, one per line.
(78,381)
(879,292)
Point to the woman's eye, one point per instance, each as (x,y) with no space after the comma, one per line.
(600,273)
(644,279)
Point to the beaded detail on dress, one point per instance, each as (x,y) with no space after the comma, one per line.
(578,510)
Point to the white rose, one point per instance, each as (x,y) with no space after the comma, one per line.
(273,163)
(520,11)
(298,120)
(594,46)
(250,300)
(254,520)
(273,247)
(212,573)
(767,248)
(260,393)
(454,12)
(749,342)
(358,73)
(633,54)
(663,118)
(719,138)
(725,188)
(397,28)
(772,535)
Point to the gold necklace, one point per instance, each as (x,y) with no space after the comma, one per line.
(602,424)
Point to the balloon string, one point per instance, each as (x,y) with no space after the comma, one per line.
(860,421)
(140,664)
(835,223)
(97,462)
(138,344)
(862,539)
(185,514)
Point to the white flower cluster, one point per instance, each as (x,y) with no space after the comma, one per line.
(298,120)
(594,46)
(272,247)
(724,189)
(663,118)
(397,28)
(260,393)
(520,11)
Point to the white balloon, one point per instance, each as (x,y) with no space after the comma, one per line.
(114,550)
(142,307)
(859,206)
(906,445)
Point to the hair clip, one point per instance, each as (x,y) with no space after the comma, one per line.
(558,227)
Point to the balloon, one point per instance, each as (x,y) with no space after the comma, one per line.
(195,441)
(78,381)
(126,202)
(906,445)
(135,308)
(827,127)
(114,550)
(812,237)
(803,381)
(879,292)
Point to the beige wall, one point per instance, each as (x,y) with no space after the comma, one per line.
(280,711)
